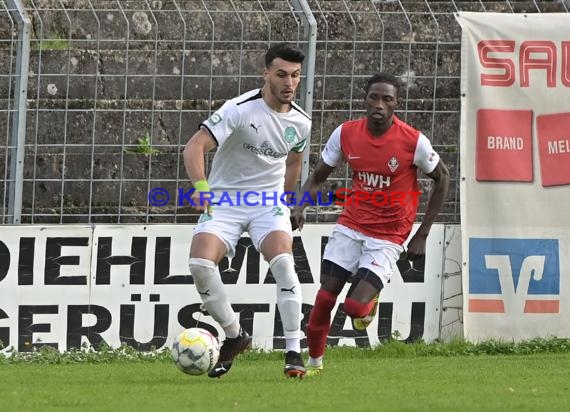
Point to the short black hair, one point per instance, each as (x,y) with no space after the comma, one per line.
(384,78)
(285,51)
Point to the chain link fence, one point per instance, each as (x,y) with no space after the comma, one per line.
(95,111)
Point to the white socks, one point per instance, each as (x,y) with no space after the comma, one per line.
(288,299)
(211,289)
(315,362)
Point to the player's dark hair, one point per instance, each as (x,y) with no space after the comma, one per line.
(384,78)
(285,51)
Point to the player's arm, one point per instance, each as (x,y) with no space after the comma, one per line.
(330,158)
(312,187)
(440,177)
(293,164)
(198,145)
(194,151)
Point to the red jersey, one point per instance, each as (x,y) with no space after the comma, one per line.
(385,173)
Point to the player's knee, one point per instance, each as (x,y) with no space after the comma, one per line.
(333,277)
(201,269)
(355,309)
(331,269)
(369,280)
(283,269)
(283,259)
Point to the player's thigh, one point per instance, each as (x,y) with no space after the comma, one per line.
(333,277)
(343,248)
(208,246)
(276,243)
(224,228)
(270,230)
(365,285)
(378,258)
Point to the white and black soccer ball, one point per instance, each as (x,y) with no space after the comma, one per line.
(195,351)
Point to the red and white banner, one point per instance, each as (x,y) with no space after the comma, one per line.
(515,175)
(71,286)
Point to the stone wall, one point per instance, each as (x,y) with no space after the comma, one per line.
(101,79)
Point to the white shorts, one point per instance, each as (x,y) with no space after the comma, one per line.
(352,250)
(229,222)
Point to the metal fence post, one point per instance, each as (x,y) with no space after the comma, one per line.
(307,87)
(18,131)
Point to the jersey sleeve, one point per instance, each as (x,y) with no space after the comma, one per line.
(222,123)
(425,158)
(299,147)
(304,138)
(332,153)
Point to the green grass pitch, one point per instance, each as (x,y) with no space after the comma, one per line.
(395,377)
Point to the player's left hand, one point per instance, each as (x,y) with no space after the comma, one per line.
(417,247)
(297,219)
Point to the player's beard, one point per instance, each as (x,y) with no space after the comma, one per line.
(276,92)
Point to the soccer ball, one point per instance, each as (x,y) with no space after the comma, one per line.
(195,351)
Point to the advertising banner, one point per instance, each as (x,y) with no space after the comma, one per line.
(72,286)
(515,175)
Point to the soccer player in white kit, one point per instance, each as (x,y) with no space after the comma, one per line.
(384,154)
(260,137)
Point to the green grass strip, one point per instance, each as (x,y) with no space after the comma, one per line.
(352,380)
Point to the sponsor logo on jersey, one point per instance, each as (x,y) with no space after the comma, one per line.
(290,134)
(215,119)
(373,181)
(264,150)
(393,164)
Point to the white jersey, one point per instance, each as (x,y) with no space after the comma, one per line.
(253,144)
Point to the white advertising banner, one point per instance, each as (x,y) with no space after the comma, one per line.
(515,175)
(71,286)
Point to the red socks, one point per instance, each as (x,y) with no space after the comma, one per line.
(320,323)
(320,319)
(355,309)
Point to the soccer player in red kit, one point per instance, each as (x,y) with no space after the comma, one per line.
(384,154)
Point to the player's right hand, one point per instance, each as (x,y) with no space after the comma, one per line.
(201,201)
(202,205)
(297,218)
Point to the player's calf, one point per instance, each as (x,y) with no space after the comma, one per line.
(362,314)
(363,322)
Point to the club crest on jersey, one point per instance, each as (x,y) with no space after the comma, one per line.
(290,134)
(393,164)
(215,119)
